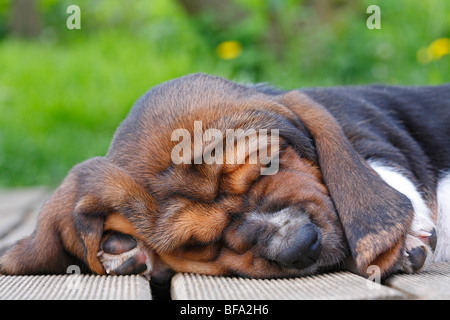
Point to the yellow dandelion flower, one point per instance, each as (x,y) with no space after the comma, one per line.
(229,49)
(436,50)
(440,47)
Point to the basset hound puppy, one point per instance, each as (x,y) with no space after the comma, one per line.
(218,178)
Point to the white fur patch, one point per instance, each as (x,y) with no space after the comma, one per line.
(422,218)
(443,229)
(284,220)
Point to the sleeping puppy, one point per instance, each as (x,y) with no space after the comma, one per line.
(213,177)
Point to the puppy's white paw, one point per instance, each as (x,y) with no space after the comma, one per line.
(121,254)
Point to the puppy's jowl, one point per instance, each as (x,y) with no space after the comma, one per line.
(333,178)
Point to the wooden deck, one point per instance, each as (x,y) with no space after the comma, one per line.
(18,212)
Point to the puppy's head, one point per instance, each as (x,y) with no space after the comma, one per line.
(243,222)
(219,178)
(321,203)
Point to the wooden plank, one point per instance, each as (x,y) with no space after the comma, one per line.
(432,283)
(14,198)
(74,287)
(28,211)
(339,285)
(15,206)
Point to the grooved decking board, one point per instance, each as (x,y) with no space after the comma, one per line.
(17,205)
(432,283)
(74,287)
(339,285)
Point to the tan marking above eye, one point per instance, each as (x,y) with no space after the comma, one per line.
(203,222)
(199,253)
(115,221)
(183,265)
(239,180)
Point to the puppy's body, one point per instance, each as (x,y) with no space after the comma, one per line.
(405,126)
(404,134)
(363,173)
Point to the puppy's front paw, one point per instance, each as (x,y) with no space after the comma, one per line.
(121,254)
(419,251)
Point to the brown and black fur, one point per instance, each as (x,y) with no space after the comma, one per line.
(193,218)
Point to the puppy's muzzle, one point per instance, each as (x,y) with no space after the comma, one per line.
(304,251)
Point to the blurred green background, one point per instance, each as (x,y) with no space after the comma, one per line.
(64,92)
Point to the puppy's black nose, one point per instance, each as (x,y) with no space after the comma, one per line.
(305,249)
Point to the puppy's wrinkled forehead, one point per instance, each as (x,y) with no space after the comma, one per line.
(197,96)
(216,102)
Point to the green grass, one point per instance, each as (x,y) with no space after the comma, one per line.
(61,98)
(61,104)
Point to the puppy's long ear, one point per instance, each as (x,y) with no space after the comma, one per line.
(70,224)
(375,217)
(43,251)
